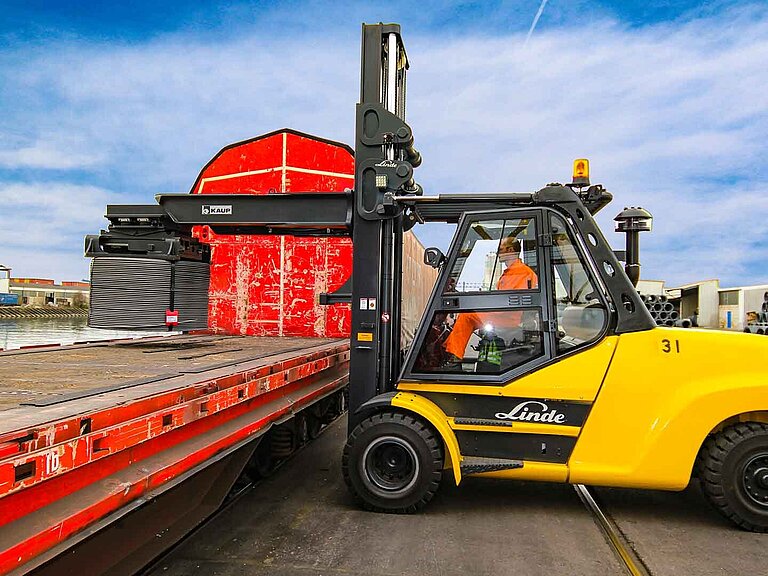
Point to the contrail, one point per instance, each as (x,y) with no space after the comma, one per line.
(535,21)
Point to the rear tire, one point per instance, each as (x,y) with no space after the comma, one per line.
(733,469)
(393,462)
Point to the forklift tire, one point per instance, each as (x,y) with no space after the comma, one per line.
(734,474)
(393,463)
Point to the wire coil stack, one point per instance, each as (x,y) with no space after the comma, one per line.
(663,311)
(135,293)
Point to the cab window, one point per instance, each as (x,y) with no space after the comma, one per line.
(581,314)
(496,255)
(481,341)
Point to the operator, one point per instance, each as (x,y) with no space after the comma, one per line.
(517,276)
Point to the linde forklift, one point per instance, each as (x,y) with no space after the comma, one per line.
(561,377)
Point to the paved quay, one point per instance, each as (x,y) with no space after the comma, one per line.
(302,521)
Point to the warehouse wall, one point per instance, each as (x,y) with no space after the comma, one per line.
(754,298)
(709,302)
(736,320)
(655,287)
(689,303)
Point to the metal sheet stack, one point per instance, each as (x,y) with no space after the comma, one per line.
(135,293)
(663,311)
(191,294)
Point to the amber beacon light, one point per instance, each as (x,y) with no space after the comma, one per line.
(581,172)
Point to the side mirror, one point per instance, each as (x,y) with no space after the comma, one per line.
(434,257)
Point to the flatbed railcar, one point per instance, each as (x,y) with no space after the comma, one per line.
(111,452)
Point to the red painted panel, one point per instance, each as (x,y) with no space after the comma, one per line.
(270,286)
(249,156)
(246,183)
(304,151)
(303,182)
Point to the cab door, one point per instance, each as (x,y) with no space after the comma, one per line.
(489,318)
(508,348)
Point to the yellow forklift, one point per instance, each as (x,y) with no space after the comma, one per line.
(536,358)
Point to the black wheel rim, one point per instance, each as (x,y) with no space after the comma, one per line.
(755,479)
(390,466)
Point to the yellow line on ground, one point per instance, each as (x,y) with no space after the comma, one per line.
(626,554)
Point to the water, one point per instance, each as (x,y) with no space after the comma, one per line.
(18,332)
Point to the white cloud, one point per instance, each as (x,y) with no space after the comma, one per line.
(58,265)
(43,225)
(673,117)
(45,156)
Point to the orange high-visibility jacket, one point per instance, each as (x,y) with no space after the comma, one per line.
(517,276)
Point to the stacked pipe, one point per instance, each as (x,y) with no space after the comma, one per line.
(663,311)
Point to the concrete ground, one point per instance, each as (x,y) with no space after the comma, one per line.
(302,521)
(679,534)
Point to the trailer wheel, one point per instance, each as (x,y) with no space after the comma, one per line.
(302,428)
(734,474)
(393,462)
(262,463)
(336,407)
(314,425)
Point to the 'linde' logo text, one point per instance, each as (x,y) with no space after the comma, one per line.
(217,209)
(532,411)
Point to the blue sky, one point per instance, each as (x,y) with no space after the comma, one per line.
(107,102)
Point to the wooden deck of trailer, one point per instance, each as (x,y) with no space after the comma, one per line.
(46,376)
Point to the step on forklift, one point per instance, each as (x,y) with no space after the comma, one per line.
(535,358)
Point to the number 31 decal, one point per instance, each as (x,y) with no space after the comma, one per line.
(667,346)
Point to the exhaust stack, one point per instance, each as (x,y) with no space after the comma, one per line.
(631,221)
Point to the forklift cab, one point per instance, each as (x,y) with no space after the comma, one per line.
(494,316)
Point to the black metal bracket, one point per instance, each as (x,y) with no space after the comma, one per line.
(595,198)
(378,178)
(342,294)
(161,245)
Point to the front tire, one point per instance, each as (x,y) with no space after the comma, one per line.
(734,474)
(393,462)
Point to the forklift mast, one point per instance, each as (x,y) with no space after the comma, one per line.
(384,163)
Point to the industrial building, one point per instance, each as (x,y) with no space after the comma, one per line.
(44,291)
(711,305)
